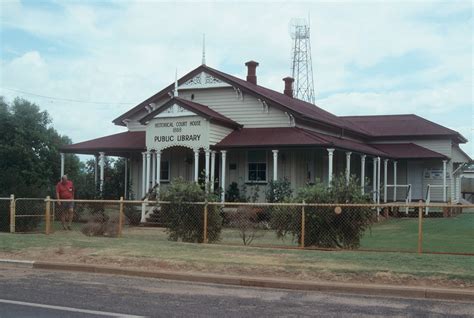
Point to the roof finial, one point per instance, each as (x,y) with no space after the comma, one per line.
(175,92)
(203,49)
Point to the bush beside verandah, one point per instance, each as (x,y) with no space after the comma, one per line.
(327,227)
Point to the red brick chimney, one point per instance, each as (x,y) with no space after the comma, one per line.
(288,86)
(251,72)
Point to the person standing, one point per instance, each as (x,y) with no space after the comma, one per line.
(65,191)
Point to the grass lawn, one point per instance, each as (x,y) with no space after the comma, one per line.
(148,248)
(454,234)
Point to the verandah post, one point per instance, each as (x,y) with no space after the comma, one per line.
(120,223)
(12,213)
(303,224)
(205,223)
(47,215)
(420,228)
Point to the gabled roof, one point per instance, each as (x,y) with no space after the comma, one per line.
(296,107)
(401,125)
(291,137)
(197,108)
(116,145)
(408,151)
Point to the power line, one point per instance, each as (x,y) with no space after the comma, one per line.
(66,99)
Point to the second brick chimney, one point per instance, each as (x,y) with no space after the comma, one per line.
(288,86)
(251,72)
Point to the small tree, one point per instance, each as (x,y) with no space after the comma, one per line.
(185,219)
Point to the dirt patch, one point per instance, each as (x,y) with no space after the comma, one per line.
(90,256)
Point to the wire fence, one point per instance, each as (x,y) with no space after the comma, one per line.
(363,227)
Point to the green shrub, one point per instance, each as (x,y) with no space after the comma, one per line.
(323,226)
(278,191)
(184,220)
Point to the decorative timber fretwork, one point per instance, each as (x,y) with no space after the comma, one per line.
(238,93)
(291,120)
(174,111)
(264,105)
(203,80)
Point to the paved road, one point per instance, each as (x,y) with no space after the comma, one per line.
(35,293)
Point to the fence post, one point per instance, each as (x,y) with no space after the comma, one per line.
(420,228)
(205,223)
(120,223)
(303,223)
(48,215)
(12,213)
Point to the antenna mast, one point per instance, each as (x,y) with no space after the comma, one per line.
(302,66)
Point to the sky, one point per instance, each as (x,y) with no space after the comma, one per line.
(87,62)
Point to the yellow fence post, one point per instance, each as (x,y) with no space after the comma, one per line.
(302,224)
(420,228)
(205,223)
(48,215)
(120,225)
(12,213)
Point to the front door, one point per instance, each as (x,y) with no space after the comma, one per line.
(415,178)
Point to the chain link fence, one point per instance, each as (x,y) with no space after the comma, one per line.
(387,228)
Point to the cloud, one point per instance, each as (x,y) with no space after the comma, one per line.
(123,52)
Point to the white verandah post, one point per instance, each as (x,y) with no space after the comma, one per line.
(374,180)
(444,180)
(362,173)
(385,177)
(330,165)
(143,174)
(148,168)
(153,168)
(196,165)
(62,164)
(158,170)
(378,179)
(102,163)
(206,169)
(348,166)
(125,186)
(275,165)
(213,168)
(223,167)
(395,163)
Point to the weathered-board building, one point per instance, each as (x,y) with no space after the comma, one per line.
(221,129)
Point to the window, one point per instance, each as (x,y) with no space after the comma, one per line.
(256,166)
(165,171)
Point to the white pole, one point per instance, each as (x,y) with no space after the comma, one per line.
(62,164)
(96,168)
(378,180)
(223,167)
(348,166)
(158,169)
(125,190)
(275,165)
(148,168)
(196,165)
(153,168)
(444,180)
(207,155)
(374,180)
(143,174)
(102,163)
(213,168)
(395,181)
(362,173)
(330,165)
(385,176)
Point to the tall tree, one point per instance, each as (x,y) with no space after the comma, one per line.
(29,151)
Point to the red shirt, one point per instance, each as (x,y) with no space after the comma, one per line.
(65,190)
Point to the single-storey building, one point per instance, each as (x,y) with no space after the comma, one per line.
(215,128)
